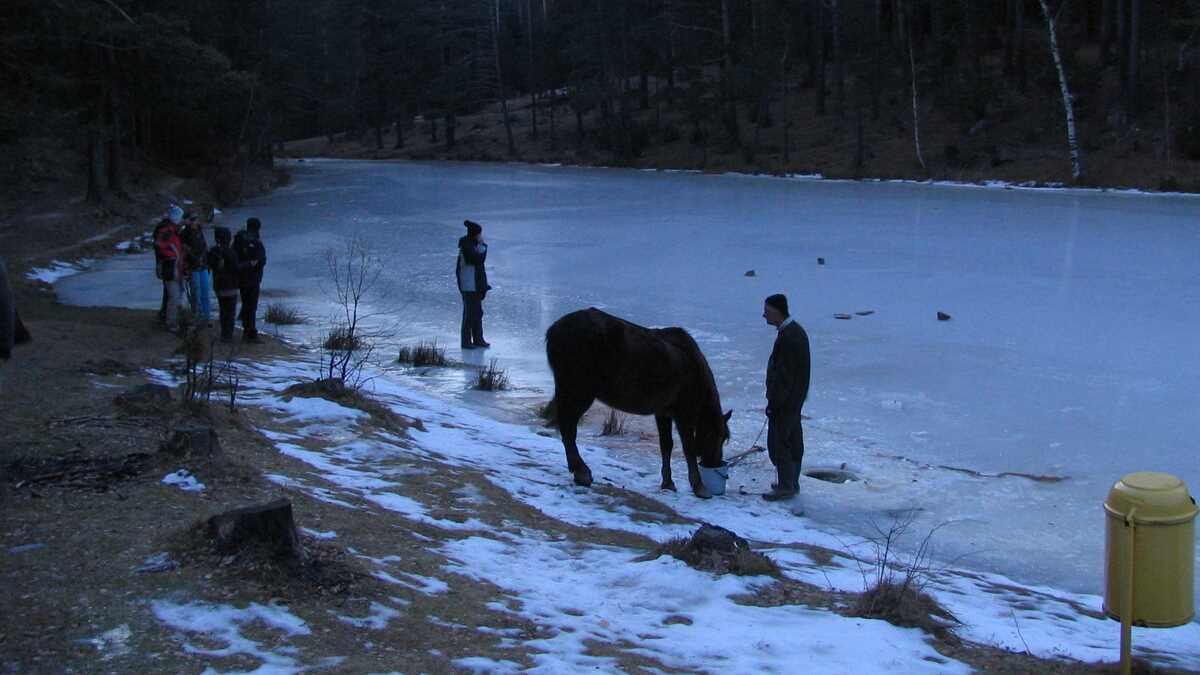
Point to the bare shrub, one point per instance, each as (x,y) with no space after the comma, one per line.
(353,271)
(427,353)
(282,315)
(896,585)
(614,425)
(492,378)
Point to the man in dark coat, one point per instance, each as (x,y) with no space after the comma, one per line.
(12,331)
(223,262)
(471,272)
(788,373)
(252,258)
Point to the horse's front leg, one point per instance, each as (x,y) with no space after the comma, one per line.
(687,435)
(665,445)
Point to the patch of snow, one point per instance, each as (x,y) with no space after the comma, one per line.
(317,534)
(224,624)
(376,619)
(57,270)
(685,619)
(479,664)
(184,481)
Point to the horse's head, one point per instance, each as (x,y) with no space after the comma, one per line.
(712,431)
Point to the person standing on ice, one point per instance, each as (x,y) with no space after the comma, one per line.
(788,374)
(471,271)
(223,262)
(252,258)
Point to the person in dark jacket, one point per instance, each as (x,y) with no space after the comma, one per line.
(223,263)
(471,271)
(252,258)
(788,374)
(195,248)
(12,331)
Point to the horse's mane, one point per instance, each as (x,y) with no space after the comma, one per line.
(692,349)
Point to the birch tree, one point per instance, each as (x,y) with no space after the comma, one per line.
(1068,108)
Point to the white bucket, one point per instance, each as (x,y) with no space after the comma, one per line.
(714,478)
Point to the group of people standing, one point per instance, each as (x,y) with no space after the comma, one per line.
(188,267)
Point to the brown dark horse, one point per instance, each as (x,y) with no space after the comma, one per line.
(644,371)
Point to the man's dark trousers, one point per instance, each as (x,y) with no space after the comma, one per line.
(228,305)
(249,312)
(785,446)
(472,321)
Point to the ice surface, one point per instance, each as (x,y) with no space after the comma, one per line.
(1070,352)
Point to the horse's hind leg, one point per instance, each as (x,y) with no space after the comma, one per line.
(569,413)
(665,444)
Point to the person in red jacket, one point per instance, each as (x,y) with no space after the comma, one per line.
(168,250)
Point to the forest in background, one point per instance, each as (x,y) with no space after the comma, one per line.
(944,88)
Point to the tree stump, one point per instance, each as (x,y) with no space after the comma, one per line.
(268,525)
(192,439)
(713,538)
(146,399)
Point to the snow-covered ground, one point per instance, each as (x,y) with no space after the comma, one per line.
(580,593)
(1071,351)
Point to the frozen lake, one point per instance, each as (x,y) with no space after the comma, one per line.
(1071,352)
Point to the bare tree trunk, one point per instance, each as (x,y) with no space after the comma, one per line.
(512,147)
(819,71)
(786,122)
(115,182)
(877,57)
(912,65)
(1135,10)
(1068,107)
(1019,37)
(95,188)
(533,86)
(839,66)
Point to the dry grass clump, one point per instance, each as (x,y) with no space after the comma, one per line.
(425,353)
(903,604)
(282,315)
(492,378)
(614,425)
(341,339)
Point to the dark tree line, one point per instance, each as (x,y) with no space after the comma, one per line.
(216,82)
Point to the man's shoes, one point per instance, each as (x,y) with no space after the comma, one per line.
(483,345)
(778,495)
(468,346)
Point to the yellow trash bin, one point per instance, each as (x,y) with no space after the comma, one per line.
(1151,525)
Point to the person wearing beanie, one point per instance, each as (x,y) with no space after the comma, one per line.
(471,272)
(252,258)
(788,374)
(169,253)
(223,262)
(195,247)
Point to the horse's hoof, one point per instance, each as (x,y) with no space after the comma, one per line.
(668,485)
(702,492)
(583,477)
